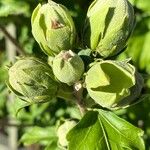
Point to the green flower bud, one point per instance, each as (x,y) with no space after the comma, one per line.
(53,28)
(68,67)
(108,26)
(63,130)
(32,80)
(110,82)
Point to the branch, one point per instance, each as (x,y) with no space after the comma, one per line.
(5,122)
(19,49)
(78,90)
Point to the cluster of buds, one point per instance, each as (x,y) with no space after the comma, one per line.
(109,83)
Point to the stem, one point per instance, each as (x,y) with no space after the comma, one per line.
(78,91)
(11,53)
(5,122)
(65,92)
(20,50)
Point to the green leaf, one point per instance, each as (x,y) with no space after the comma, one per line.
(140,4)
(103,130)
(3,99)
(13,7)
(16,105)
(145,55)
(53,146)
(38,134)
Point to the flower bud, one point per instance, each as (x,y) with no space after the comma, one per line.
(68,67)
(53,28)
(108,26)
(110,82)
(32,80)
(63,130)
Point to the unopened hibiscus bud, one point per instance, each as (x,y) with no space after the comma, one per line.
(32,80)
(108,26)
(53,28)
(68,67)
(110,82)
(63,130)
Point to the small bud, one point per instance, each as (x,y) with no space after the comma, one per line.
(68,67)
(63,130)
(108,26)
(32,80)
(53,28)
(110,82)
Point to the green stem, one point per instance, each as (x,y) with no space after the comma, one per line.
(19,49)
(65,92)
(78,92)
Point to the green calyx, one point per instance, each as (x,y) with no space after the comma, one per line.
(108,26)
(110,82)
(68,67)
(32,80)
(135,92)
(53,28)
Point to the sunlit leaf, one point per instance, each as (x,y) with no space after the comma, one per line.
(103,130)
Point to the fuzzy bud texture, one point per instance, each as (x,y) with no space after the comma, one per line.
(32,80)
(53,28)
(68,67)
(108,26)
(63,130)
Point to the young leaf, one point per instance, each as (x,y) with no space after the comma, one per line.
(38,134)
(17,105)
(12,7)
(103,130)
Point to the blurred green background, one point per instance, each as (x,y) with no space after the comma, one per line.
(39,120)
